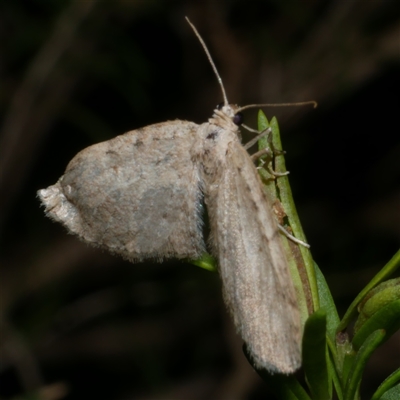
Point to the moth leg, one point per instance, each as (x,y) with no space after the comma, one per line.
(266,151)
(270,154)
(292,238)
(278,174)
(269,151)
(259,136)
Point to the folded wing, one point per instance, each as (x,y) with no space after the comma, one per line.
(137,195)
(256,281)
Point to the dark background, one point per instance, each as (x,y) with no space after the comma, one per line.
(77,323)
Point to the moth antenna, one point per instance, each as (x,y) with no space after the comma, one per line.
(302,103)
(210,60)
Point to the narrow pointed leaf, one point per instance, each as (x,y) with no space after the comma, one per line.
(389,383)
(263,143)
(206,261)
(326,302)
(335,379)
(314,355)
(294,252)
(383,274)
(348,365)
(376,299)
(392,394)
(286,197)
(285,387)
(386,318)
(363,355)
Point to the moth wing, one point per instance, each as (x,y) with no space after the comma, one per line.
(137,195)
(257,285)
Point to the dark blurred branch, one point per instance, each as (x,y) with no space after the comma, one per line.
(14,351)
(339,54)
(58,261)
(16,155)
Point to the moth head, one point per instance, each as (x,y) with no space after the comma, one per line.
(231,111)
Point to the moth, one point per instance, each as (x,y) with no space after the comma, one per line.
(140,195)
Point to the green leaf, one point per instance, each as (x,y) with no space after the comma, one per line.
(376,299)
(299,257)
(392,394)
(314,355)
(387,385)
(269,180)
(294,253)
(362,357)
(206,261)
(332,320)
(283,386)
(348,364)
(386,318)
(332,371)
(326,302)
(286,198)
(383,274)
(345,355)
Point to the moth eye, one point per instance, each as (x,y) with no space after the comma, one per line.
(212,135)
(220,105)
(238,119)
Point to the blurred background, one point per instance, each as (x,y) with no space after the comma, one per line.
(77,323)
